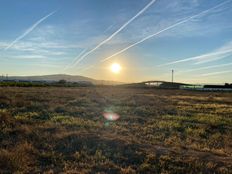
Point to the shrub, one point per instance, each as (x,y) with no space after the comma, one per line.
(18,159)
(6,120)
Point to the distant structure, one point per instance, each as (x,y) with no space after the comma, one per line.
(226,87)
(172,75)
(155,84)
(4,77)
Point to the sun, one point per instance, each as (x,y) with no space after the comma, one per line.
(116,68)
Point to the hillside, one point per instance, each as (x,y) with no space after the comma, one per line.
(57,77)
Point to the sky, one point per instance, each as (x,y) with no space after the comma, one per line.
(148,38)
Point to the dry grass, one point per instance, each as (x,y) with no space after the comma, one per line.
(55,130)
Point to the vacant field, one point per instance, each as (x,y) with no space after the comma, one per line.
(63,130)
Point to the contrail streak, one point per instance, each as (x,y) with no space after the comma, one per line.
(216,73)
(201,57)
(207,67)
(72,64)
(161,31)
(115,33)
(30,29)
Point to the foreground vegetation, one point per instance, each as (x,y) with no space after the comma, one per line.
(55,130)
(61,83)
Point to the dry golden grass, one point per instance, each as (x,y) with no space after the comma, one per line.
(55,130)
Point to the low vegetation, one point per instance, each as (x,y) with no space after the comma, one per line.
(55,130)
(61,83)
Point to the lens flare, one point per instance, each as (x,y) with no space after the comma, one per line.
(111,116)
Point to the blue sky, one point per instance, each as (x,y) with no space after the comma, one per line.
(148,38)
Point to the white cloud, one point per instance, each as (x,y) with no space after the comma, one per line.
(217,54)
(216,73)
(205,68)
(116,32)
(29,57)
(29,30)
(166,13)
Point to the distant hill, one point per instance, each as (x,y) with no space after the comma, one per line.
(57,77)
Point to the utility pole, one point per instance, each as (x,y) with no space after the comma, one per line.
(172,75)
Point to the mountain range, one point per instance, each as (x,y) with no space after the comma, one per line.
(57,77)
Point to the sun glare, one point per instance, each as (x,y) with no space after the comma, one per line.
(116,68)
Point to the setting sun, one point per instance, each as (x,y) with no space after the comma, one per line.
(116,68)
